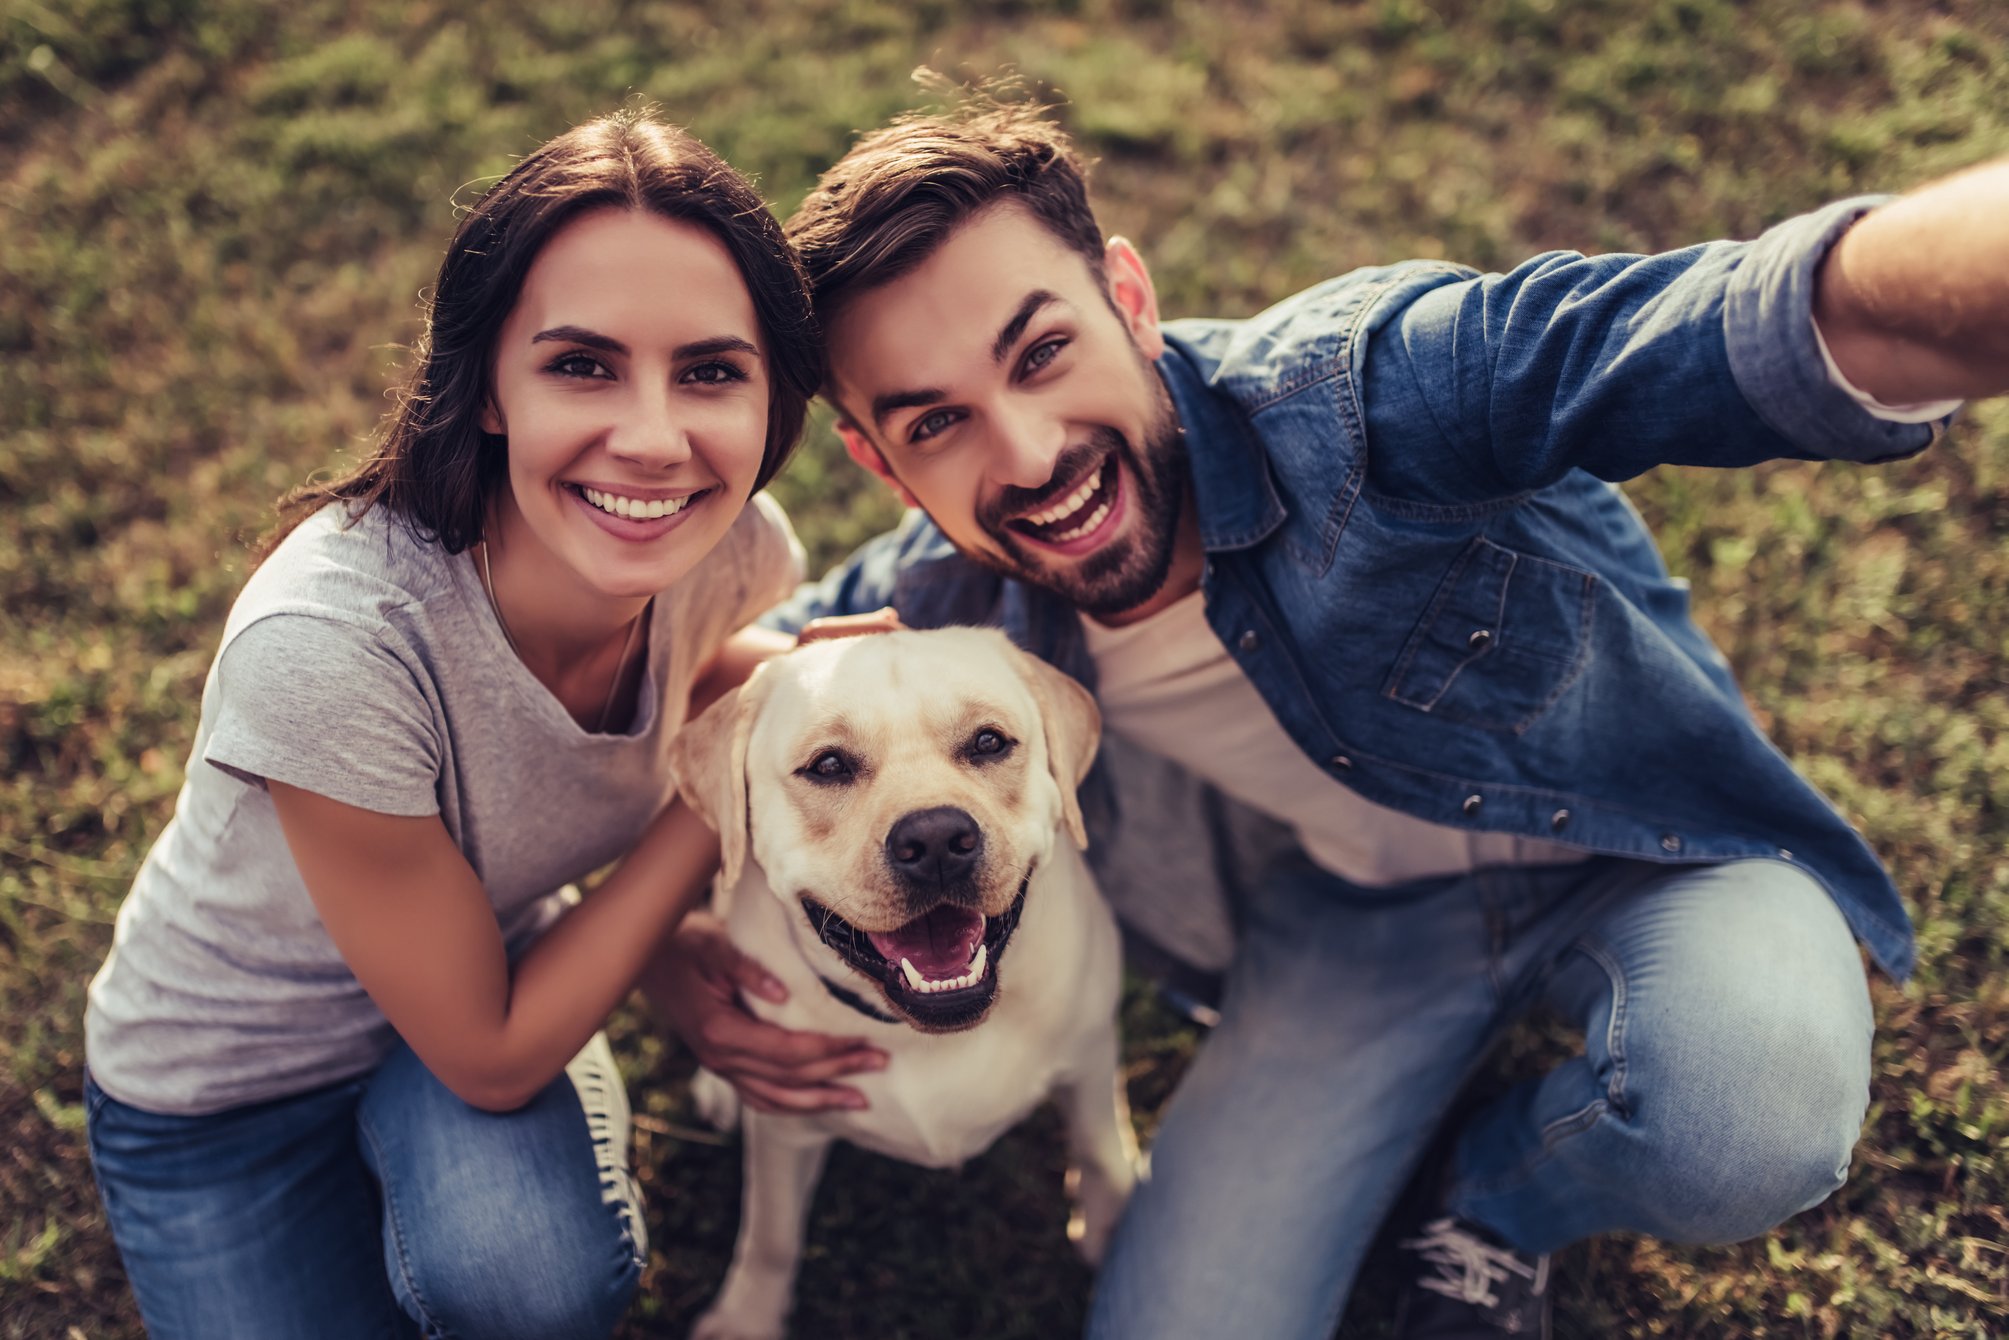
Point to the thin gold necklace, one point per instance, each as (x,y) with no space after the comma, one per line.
(620,664)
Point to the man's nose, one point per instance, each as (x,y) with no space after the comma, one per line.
(1024,446)
(650,432)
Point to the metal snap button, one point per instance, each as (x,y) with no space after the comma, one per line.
(1480,637)
(1785,855)
(1472,804)
(1669,842)
(1249,640)
(1559,820)
(1341,762)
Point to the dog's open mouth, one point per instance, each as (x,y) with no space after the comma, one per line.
(940,969)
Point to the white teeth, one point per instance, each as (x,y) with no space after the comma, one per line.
(1069,505)
(1084,527)
(636,509)
(922,986)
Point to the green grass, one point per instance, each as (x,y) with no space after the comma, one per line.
(214,220)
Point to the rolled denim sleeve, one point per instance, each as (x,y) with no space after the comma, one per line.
(1776,358)
(1492,386)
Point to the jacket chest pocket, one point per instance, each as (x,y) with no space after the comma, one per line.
(1504,635)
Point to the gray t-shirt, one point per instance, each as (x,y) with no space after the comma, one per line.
(366,665)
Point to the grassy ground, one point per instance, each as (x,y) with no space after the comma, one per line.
(213,222)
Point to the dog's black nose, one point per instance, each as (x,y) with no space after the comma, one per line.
(935,847)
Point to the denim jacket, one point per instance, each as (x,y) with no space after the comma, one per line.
(1416,551)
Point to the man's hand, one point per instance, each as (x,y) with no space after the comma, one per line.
(694,985)
(884,620)
(1914,300)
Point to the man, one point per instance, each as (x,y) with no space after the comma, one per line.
(1356,564)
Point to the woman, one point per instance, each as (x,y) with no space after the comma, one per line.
(336,1083)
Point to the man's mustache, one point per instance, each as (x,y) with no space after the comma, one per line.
(1069,468)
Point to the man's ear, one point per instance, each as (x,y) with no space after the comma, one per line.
(861,450)
(1136,300)
(708,757)
(1073,729)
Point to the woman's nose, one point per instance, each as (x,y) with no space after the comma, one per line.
(650,433)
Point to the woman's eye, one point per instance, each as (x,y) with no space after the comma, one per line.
(714,374)
(579,365)
(828,766)
(988,743)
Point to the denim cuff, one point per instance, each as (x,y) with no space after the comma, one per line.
(1768,327)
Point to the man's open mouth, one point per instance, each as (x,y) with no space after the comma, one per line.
(940,969)
(1075,513)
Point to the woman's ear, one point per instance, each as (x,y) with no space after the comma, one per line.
(491,419)
(860,449)
(1136,300)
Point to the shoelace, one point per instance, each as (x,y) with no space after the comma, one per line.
(1470,1266)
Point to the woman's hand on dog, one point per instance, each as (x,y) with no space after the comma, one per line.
(695,984)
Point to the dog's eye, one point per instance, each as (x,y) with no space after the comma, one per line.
(828,766)
(988,743)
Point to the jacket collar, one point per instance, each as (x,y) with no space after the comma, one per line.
(1233,493)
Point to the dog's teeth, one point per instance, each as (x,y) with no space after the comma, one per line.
(914,978)
(976,973)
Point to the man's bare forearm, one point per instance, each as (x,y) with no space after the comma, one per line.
(1914,300)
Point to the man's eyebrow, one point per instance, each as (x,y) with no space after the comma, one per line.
(885,406)
(593,339)
(1008,336)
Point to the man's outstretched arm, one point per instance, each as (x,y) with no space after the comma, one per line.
(1914,300)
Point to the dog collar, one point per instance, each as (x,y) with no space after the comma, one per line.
(846,996)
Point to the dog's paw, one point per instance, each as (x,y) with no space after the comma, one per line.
(1098,1197)
(715,1100)
(719,1324)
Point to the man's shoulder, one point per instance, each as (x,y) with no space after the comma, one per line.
(1305,336)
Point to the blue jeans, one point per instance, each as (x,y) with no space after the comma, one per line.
(1723,1082)
(380,1207)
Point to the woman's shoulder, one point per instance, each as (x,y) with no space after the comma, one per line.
(366,569)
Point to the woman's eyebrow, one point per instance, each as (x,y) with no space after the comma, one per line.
(593,339)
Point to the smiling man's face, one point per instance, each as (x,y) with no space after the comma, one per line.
(1009,391)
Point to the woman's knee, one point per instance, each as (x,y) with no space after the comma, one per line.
(499,1225)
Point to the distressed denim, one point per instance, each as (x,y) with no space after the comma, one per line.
(381,1207)
(1722,1085)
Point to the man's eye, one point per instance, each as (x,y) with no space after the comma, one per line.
(714,374)
(828,766)
(1041,355)
(931,423)
(988,743)
(578,365)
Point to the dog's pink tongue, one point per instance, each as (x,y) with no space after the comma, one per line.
(939,944)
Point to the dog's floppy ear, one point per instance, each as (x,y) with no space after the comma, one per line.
(1073,729)
(708,757)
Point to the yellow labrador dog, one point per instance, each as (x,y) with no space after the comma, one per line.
(901,846)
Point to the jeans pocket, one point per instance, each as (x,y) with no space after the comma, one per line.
(1502,638)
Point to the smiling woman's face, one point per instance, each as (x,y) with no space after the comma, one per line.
(631,385)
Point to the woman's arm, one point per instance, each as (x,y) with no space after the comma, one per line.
(413,923)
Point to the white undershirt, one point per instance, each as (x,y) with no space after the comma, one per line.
(1167,684)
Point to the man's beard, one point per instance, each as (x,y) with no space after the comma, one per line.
(1124,573)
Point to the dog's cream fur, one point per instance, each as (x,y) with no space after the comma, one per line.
(902,710)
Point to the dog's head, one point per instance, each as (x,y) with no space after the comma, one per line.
(897,790)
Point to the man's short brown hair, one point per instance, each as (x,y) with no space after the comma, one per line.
(887,205)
